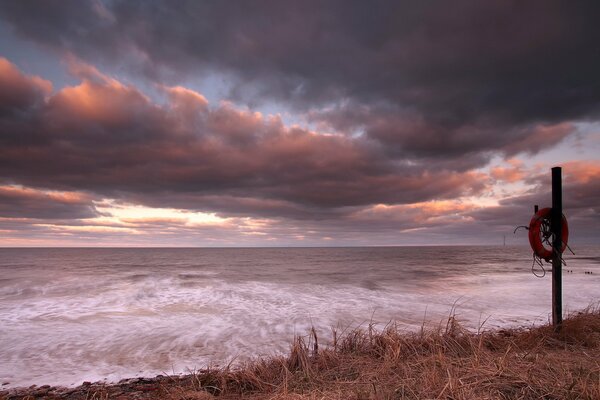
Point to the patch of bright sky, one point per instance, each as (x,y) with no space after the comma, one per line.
(132,212)
(498,189)
(583,145)
(34,59)
(217,87)
(501,189)
(87,228)
(52,65)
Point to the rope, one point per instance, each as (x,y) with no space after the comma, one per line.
(547,238)
(520,226)
(538,261)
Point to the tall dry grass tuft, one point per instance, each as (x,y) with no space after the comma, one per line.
(449,362)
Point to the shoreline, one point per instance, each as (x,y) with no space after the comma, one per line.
(524,362)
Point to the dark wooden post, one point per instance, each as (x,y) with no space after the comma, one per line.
(556,226)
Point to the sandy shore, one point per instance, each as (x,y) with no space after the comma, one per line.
(449,362)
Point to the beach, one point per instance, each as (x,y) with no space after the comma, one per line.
(103,315)
(448,362)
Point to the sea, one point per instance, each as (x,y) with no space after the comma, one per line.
(69,315)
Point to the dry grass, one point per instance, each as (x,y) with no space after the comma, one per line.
(446,363)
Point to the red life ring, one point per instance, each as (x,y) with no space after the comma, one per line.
(539,232)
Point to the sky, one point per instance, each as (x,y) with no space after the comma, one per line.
(287,123)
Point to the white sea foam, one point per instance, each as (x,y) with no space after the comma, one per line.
(102,315)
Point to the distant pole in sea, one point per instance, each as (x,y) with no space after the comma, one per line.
(556,227)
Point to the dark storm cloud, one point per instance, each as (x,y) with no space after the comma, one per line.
(405,134)
(107,138)
(19,93)
(17,202)
(449,81)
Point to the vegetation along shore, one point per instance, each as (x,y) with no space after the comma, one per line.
(449,362)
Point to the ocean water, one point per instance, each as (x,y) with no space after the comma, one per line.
(70,315)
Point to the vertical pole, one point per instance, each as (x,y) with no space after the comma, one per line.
(536,209)
(556,226)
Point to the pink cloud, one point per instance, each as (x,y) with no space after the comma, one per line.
(513,173)
(540,137)
(20,91)
(104,136)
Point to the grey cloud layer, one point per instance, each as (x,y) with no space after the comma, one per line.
(108,138)
(424,79)
(19,203)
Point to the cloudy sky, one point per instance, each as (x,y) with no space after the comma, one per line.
(295,123)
